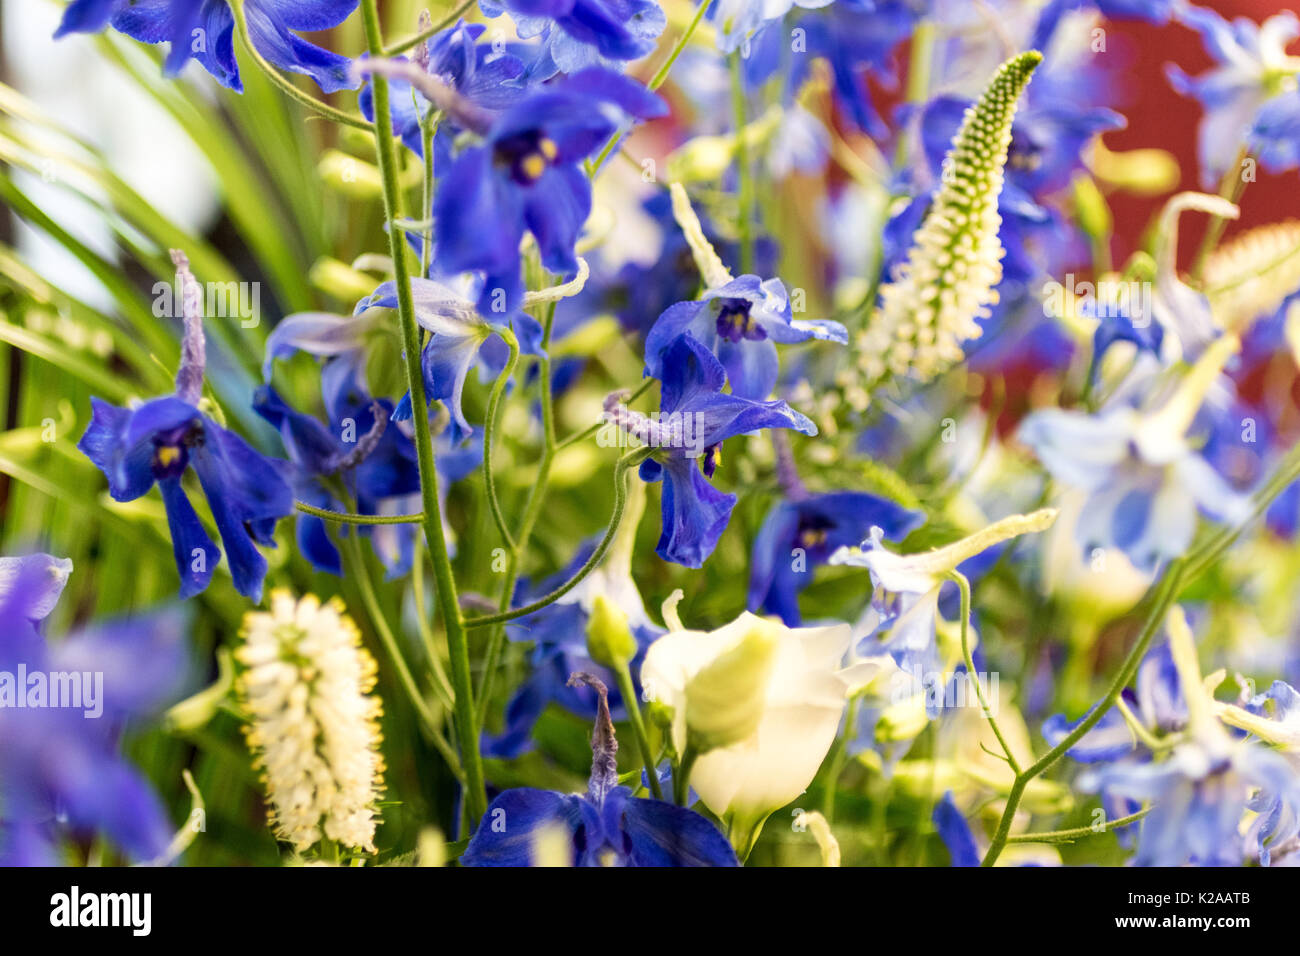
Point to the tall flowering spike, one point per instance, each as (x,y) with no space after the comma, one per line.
(313,724)
(1253,274)
(932,301)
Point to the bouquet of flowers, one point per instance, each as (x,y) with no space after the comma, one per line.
(646,433)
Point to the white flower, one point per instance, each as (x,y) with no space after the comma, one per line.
(312,723)
(774,694)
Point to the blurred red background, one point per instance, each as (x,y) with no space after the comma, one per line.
(1158,116)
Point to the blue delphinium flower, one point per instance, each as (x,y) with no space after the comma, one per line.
(1145,479)
(60,770)
(1150,11)
(582,33)
(361,446)
(695,418)
(483,75)
(606,826)
(1275,133)
(854,37)
(741,322)
(458,339)
(204,30)
(803,531)
(1200,787)
(526,176)
(161,439)
(1252,69)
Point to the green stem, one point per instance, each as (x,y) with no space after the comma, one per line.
(633,707)
(682,776)
(306,99)
(630,460)
(657,81)
(361,575)
(661,74)
(1069,836)
(964,586)
(348,517)
(457,644)
(839,757)
(745,187)
(1165,592)
(532,511)
(447,21)
(427,129)
(490,429)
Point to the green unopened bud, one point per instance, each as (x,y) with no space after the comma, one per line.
(1092,209)
(725,699)
(340,280)
(351,176)
(609,639)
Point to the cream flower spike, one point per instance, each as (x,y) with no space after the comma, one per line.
(313,725)
(1253,274)
(712,271)
(919,573)
(933,301)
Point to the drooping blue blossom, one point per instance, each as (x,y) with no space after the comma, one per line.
(1252,70)
(741,322)
(526,177)
(360,447)
(204,30)
(695,418)
(61,773)
(607,825)
(160,440)
(578,34)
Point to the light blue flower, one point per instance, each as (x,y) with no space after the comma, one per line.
(1252,67)
(1145,480)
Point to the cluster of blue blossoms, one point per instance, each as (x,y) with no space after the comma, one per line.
(523,128)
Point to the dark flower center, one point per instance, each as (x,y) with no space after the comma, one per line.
(525,156)
(813,531)
(1024,153)
(171,455)
(736,323)
(711,459)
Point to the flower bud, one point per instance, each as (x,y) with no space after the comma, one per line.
(609,638)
